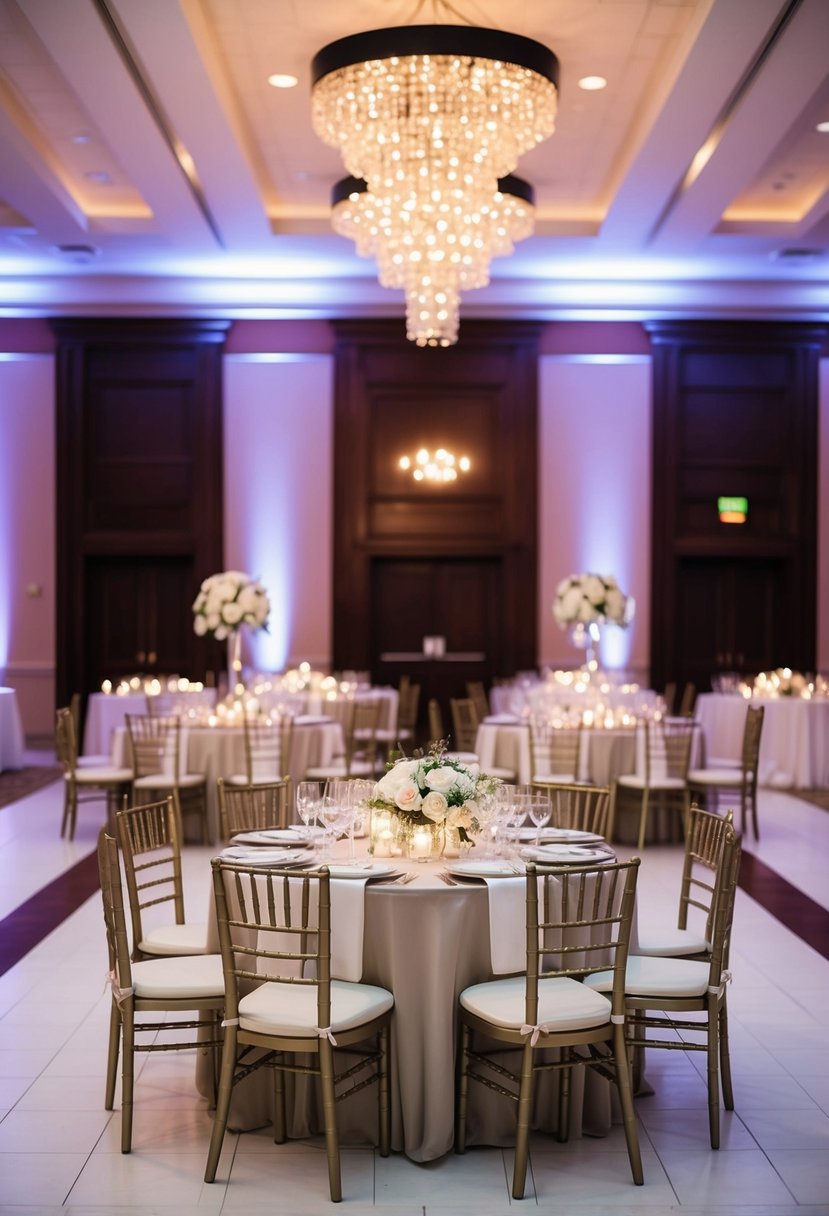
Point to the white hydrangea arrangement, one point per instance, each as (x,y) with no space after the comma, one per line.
(435,789)
(584,599)
(227,601)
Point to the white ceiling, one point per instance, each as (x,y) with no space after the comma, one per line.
(694,184)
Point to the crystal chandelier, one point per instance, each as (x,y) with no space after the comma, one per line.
(429,118)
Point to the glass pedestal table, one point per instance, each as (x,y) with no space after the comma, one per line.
(425,941)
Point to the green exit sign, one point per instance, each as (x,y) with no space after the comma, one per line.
(732,509)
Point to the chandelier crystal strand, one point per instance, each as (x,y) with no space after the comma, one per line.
(432,288)
(431,132)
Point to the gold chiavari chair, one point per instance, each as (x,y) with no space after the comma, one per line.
(254,808)
(359,759)
(741,781)
(158,985)
(155,743)
(555,751)
(583,925)
(88,784)
(268,744)
(275,932)
(581,808)
(661,777)
(465,722)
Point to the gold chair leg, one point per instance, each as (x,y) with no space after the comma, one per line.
(725,1060)
(522,1133)
(279,1122)
(222,1103)
(127,1077)
(626,1102)
(384,1106)
(329,1110)
(713,1073)
(643,818)
(563,1131)
(463,1089)
(112,1056)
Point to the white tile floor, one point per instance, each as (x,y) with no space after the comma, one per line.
(59,1150)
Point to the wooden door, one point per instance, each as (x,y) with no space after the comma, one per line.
(455,599)
(138,617)
(731,616)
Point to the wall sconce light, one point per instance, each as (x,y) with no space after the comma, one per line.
(438,466)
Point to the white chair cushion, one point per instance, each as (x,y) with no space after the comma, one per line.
(98,776)
(463,757)
(732,777)
(290,1010)
(560,778)
(359,768)
(656,977)
(670,943)
(563,1004)
(102,761)
(173,979)
(175,939)
(165,781)
(635,782)
(258,779)
(504,774)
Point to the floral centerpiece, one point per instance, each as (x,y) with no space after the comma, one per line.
(227,601)
(434,790)
(584,599)
(224,604)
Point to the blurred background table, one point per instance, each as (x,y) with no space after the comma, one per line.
(794,746)
(11,731)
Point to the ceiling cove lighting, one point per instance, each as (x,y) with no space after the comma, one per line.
(430,117)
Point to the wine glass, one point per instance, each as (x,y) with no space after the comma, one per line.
(540,809)
(308,798)
(331,813)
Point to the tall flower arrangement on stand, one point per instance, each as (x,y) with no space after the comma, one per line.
(224,604)
(585,602)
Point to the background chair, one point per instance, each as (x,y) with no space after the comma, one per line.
(705,838)
(582,808)
(405,730)
(688,986)
(254,808)
(159,985)
(476,692)
(268,743)
(359,759)
(155,743)
(740,782)
(274,928)
(660,780)
(554,751)
(89,784)
(465,724)
(584,923)
(96,761)
(687,701)
(149,837)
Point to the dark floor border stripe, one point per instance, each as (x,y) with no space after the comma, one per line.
(48,908)
(798,912)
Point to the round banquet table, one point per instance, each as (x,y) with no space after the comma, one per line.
(604,752)
(219,751)
(794,745)
(106,712)
(425,942)
(11,731)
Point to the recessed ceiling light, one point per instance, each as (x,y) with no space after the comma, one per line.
(99,176)
(823,127)
(591,83)
(283,80)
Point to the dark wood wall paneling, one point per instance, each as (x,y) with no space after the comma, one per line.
(412,559)
(735,413)
(139,493)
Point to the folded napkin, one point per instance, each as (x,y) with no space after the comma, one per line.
(507,924)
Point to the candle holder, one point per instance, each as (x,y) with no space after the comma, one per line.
(424,842)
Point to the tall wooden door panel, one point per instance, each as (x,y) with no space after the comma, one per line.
(731,617)
(454,599)
(138,617)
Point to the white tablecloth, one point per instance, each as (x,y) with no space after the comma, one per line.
(11,731)
(219,751)
(605,753)
(105,713)
(426,967)
(794,745)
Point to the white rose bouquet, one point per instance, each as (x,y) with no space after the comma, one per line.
(226,601)
(584,599)
(434,789)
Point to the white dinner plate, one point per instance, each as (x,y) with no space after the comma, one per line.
(271,836)
(485,869)
(266,857)
(362,869)
(567,854)
(559,836)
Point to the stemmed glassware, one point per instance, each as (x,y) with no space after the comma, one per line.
(308,800)
(540,809)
